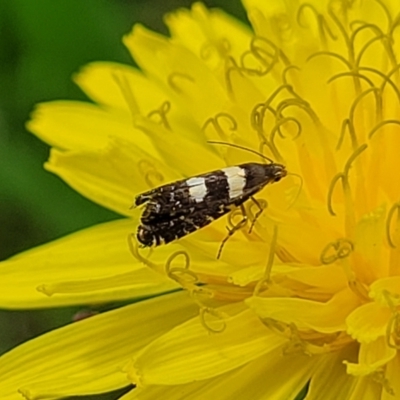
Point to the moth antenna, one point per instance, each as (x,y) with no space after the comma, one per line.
(300,187)
(236,146)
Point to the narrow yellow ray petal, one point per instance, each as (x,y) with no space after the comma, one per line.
(256,380)
(368,322)
(372,357)
(305,314)
(212,34)
(331,369)
(73,125)
(182,354)
(367,389)
(90,349)
(105,82)
(189,81)
(110,183)
(94,254)
(392,374)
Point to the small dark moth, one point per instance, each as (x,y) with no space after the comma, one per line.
(176,209)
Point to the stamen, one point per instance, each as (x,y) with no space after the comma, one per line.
(357,287)
(291,204)
(347,123)
(321,21)
(162,114)
(332,186)
(352,159)
(134,249)
(272,148)
(333,55)
(393,326)
(381,124)
(299,103)
(386,39)
(266,279)
(215,122)
(379,377)
(228,80)
(367,45)
(357,100)
(285,71)
(278,125)
(386,11)
(393,330)
(201,295)
(268,59)
(363,26)
(296,343)
(222,47)
(206,313)
(126,91)
(176,76)
(341,251)
(334,251)
(182,275)
(137,124)
(393,243)
(258,115)
(342,29)
(344,176)
(394,70)
(351,74)
(359,97)
(151,175)
(386,79)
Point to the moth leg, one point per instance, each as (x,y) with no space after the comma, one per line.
(233,229)
(258,213)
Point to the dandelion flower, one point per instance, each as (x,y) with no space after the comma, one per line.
(311,295)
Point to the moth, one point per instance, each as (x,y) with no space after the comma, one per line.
(177,209)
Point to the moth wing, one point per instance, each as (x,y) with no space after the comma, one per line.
(179,199)
(166,230)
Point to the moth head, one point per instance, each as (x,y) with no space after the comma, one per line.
(277,172)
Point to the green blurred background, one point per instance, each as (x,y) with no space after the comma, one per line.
(42,43)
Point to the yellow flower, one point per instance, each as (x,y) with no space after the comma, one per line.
(311,295)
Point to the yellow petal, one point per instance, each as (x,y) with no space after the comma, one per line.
(331,370)
(372,357)
(211,34)
(368,322)
(369,237)
(305,314)
(126,91)
(120,87)
(188,352)
(96,257)
(392,375)
(92,351)
(80,126)
(256,380)
(111,184)
(385,291)
(189,81)
(367,389)
(191,157)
